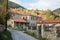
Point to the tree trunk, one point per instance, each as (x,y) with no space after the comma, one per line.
(6,14)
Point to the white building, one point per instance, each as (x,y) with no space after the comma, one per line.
(23,20)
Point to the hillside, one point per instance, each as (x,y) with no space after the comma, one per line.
(57,10)
(15,5)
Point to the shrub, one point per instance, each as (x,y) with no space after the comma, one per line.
(33,34)
(9,26)
(5,35)
(30,33)
(20,29)
(41,38)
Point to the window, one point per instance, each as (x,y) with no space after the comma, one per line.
(58,34)
(58,31)
(31,18)
(48,28)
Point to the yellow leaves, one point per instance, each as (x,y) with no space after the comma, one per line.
(49,14)
(52,17)
(22,11)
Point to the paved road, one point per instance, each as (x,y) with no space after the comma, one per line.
(18,35)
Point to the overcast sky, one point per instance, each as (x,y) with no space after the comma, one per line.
(39,4)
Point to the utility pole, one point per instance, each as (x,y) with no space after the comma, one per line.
(6,14)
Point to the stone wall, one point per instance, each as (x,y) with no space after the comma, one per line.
(51,32)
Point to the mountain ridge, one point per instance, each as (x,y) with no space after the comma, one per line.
(57,10)
(15,5)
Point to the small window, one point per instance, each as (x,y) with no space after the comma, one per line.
(58,31)
(31,18)
(48,28)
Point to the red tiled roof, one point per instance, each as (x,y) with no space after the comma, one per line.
(51,21)
(18,20)
(47,21)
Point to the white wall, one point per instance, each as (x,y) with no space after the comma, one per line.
(10,22)
(17,16)
(31,21)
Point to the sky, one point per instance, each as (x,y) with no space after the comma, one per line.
(39,4)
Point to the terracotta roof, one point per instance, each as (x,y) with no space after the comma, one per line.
(47,21)
(18,20)
(51,21)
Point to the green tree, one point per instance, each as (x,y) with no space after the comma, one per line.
(57,16)
(49,15)
(3,12)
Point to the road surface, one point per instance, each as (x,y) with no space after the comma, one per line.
(18,35)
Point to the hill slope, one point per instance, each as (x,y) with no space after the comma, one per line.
(57,10)
(15,5)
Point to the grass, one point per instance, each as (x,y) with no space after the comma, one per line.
(5,35)
(20,29)
(41,38)
(34,35)
(30,33)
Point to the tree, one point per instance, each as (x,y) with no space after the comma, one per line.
(57,16)
(2,11)
(49,15)
(4,16)
(2,21)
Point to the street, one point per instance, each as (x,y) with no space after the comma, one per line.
(18,35)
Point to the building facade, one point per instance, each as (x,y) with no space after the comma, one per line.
(23,20)
(50,29)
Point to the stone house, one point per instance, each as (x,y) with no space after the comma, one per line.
(22,20)
(49,29)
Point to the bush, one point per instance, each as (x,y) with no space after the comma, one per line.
(33,34)
(44,39)
(41,38)
(20,29)
(30,33)
(5,35)
(9,26)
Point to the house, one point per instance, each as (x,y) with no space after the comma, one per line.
(23,19)
(49,29)
(17,20)
(31,19)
